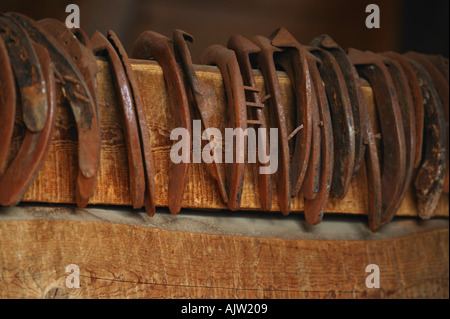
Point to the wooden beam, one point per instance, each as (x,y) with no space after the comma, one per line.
(124,254)
(55,182)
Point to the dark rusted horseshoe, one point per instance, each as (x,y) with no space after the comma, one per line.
(430,177)
(7,102)
(405,101)
(355,92)
(81,56)
(101,45)
(226,61)
(28,73)
(265,60)
(314,208)
(414,87)
(204,97)
(306,153)
(342,118)
(441,64)
(20,174)
(439,80)
(243,48)
(151,45)
(373,173)
(83,107)
(145,142)
(373,69)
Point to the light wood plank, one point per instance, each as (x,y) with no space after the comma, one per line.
(123,255)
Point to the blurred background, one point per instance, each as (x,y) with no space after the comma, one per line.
(404,24)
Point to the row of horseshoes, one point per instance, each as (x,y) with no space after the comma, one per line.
(334,136)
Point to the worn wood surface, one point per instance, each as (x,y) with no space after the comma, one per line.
(55,182)
(123,254)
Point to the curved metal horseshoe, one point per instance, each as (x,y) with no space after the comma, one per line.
(82,58)
(314,208)
(7,102)
(21,172)
(82,103)
(204,97)
(414,88)
(306,153)
(439,80)
(243,49)
(225,59)
(265,60)
(342,118)
(355,92)
(131,133)
(437,68)
(145,142)
(373,173)
(373,69)
(28,73)
(151,45)
(430,177)
(405,101)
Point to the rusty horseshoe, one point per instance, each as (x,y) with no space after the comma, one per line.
(342,118)
(265,61)
(152,45)
(414,88)
(314,208)
(405,100)
(306,152)
(144,134)
(204,97)
(101,45)
(355,92)
(83,106)
(21,172)
(243,49)
(437,68)
(430,178)
(27,71)
(371,66)
(226,61)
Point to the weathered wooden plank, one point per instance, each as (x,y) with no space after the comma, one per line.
(55,182)
(123,255)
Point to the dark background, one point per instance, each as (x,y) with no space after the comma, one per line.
(405,24)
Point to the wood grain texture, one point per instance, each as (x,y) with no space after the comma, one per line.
(155,259)
(55,182)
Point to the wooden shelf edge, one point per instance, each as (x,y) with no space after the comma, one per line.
(121,255)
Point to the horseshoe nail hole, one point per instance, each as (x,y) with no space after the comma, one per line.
(65,42)
(75,57)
